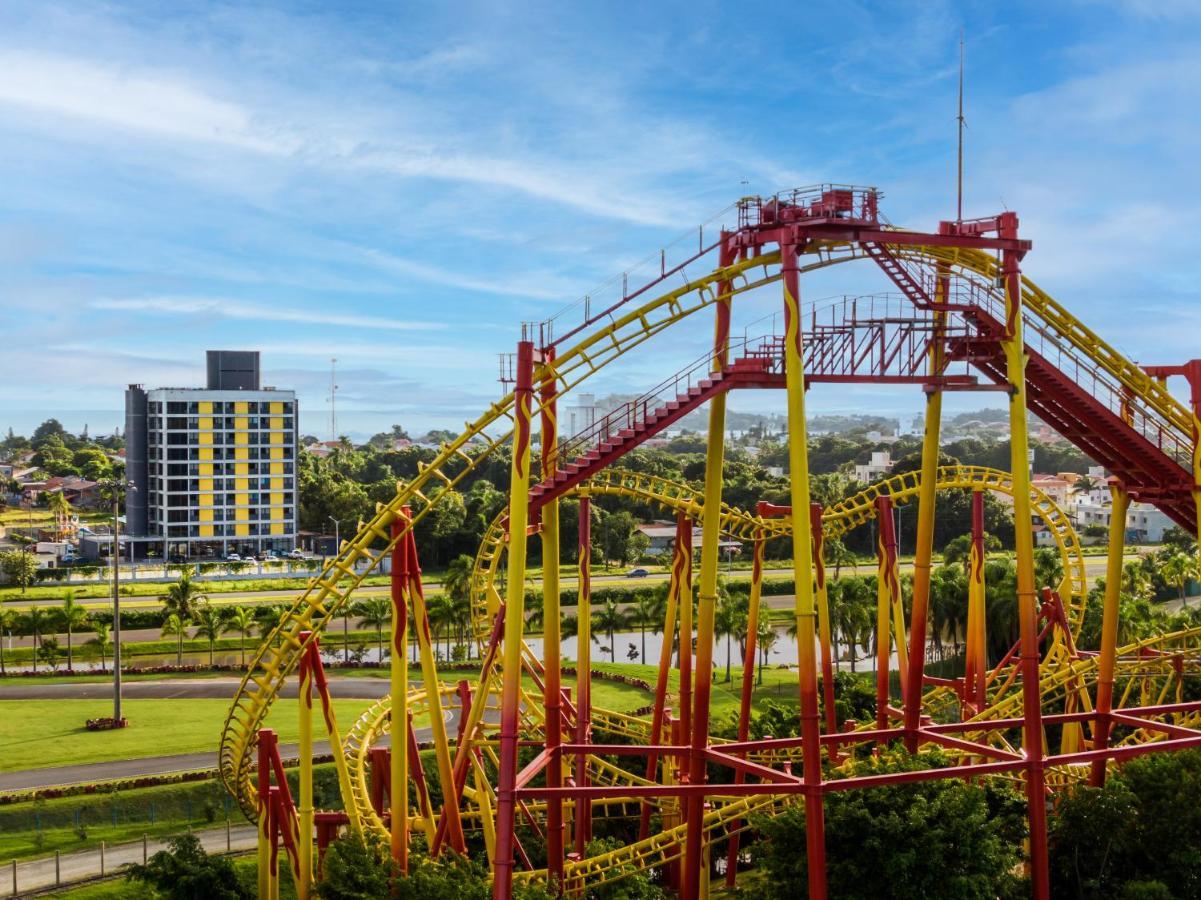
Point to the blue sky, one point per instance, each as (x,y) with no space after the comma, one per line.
(400,185)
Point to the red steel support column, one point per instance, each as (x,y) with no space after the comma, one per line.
(748,686)
(680,552)
(684,609)
(502,884)
(802,561)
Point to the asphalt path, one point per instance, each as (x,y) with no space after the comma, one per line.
(219,688)
(37,874)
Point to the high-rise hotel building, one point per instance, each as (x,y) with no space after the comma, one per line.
(213,469)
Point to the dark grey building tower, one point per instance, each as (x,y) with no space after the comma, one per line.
(233,370)
(135,460)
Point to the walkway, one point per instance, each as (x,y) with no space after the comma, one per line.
(23,877)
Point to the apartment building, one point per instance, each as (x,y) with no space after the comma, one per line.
(213,468)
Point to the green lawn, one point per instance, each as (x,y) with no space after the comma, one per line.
(40,733)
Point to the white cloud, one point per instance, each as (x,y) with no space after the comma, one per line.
(235,309)
(168,105)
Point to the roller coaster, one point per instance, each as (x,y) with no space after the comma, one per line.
(528,761)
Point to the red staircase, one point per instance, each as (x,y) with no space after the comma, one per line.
(1070,392)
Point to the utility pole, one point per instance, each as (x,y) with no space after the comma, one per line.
(115,487)
(333,399)
(959,180)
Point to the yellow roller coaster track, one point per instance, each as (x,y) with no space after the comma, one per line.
(611,336)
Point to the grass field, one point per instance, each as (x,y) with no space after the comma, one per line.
(40,733)
(120,889)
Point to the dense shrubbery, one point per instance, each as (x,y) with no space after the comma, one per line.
(940,838)
(1139,836)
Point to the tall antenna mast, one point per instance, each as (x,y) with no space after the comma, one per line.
(959,182)
(333,399)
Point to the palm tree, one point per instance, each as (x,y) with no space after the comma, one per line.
(241,619)
(209,625)
(838,555)
(8,623)
(1177,569)
(103,641)
(441,611)
(58,504)
(184,597)
(1135,581)
(457,580)
(71,616)
(609,619)
(730,622)
(766,639)
(36,621)
(648,609)
(173,625)
(375,612)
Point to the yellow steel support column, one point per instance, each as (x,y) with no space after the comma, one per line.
(519,506)
(976,652)
(398,764)
(266,738)
(433,699)
(1109,625)
(802,562)
(1014,348)
(583,809)
(552,684)
(927,498)
(304,845)
(698,736)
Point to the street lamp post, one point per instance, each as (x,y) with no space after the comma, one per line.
(115,487)
(345,614)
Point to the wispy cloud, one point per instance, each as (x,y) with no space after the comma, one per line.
(235,309)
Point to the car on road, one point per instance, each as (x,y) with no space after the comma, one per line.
(637,573)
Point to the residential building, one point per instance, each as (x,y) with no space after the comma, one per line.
(1144,523)
(213,468)
(1055,487)
(880,464)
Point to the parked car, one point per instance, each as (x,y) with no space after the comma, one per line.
(296,554)
(233,557)
(637,573)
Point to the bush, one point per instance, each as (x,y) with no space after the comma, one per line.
(939,838)
(1142,828)
(185,872)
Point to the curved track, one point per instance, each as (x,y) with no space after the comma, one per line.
(1118,385)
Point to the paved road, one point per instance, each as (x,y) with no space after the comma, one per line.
(189,688)
(35,874)
(221,688)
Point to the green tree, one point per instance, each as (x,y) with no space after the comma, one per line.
(941,838)
(730,621)
(8,624)
(34,623)
(184,597)
(185,872)
(103,641)
(240,619)
(209,625)
(648,610)
(19,567)
(610,619)
(174,626)
(71,618)
(1177,570)
(47,651)
(375,612)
